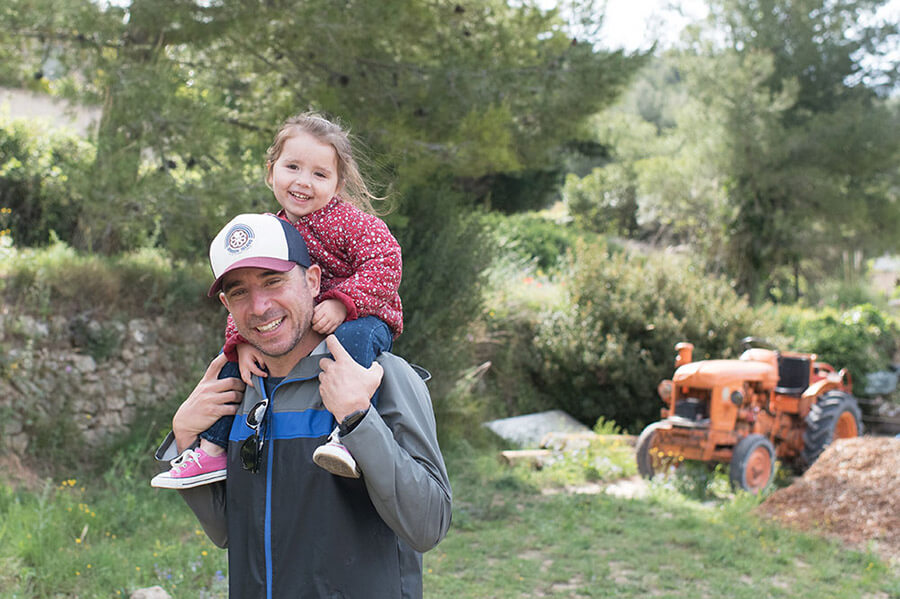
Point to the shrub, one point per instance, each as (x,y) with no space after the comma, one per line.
(40,177)
(861,339)
(445,253)
(59,280)
(532,237)
(605,354)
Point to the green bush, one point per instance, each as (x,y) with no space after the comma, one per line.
(60,280)
(445,253)
(40,177)
(862,339)
(532,237)
(605,354)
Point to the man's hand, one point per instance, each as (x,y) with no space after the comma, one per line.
(211,399)
(345,385)
(328,315)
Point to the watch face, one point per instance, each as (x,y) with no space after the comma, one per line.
(351,420)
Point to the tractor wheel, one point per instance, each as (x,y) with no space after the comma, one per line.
(651,461)
(752,464)
(835,415)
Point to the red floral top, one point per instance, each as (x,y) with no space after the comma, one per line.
(360,261)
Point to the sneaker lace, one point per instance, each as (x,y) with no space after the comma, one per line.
(185,459)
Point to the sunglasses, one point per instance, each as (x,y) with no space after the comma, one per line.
(251,448)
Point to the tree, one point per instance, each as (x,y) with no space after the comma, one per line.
(783,157)
(472,90)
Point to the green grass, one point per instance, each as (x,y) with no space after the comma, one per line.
(57,280)
(513,540)
(104,536)
(92,536)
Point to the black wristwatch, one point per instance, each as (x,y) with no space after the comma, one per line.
(351,420)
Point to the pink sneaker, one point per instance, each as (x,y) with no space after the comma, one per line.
(336,458)
(194,467)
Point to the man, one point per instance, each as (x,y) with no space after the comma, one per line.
(291,528)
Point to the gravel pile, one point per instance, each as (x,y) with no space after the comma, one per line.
(852,492)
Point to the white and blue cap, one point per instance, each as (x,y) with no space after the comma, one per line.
(256,241)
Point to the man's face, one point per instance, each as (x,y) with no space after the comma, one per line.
(272,310)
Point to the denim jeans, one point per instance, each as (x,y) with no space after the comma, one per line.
(363,338)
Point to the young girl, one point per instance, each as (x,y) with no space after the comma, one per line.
(317,183)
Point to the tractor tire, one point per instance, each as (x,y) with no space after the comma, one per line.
(752,464)
(649,462)
(835,415)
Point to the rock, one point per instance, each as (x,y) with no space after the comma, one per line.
(32,328)
(17,444)
(528,431)
(83,363)
(141,332)
(156,592)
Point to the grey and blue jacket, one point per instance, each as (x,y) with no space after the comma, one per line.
(294,530)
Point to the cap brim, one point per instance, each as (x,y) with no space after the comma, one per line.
(275,264)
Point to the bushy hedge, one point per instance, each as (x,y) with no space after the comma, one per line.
(605,352)
(862,338)
(41,176)
(531,237)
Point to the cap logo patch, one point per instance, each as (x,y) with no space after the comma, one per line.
(238,239)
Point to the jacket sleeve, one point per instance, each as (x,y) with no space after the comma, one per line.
(396,448)
(377,265)
(206,501)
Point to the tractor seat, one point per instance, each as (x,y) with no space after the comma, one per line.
(793,375)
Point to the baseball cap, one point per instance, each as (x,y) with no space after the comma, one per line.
(256,241)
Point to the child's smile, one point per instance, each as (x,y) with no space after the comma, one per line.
(304,177)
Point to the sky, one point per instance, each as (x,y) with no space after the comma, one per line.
(634,24)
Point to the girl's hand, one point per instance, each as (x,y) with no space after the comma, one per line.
(328,315)
(251,362)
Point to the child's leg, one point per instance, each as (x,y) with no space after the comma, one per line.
(363,338)
(207,463)
(214,440)
(201,466)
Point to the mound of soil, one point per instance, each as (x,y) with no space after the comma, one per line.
(851,492)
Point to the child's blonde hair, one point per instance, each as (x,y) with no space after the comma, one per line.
(355,189)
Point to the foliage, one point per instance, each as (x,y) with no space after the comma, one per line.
(192,93)
(605,201)
(445,252)
(60,280)
(605,353)
(762,141)
(861,339)
(532,237)
(41,177)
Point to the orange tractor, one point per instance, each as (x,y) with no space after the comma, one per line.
(748,412)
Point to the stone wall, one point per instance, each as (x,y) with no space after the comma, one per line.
(88,380)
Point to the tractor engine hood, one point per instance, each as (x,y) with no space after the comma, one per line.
(707,374)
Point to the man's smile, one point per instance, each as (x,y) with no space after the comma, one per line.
(267,328)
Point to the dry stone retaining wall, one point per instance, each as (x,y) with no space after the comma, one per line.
(90,378)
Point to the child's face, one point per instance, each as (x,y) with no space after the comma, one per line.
(304,177)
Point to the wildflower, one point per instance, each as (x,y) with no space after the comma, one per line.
(203,553)
(78,541)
